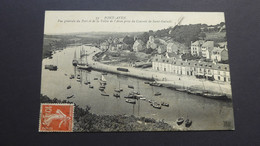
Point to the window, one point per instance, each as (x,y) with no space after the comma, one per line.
(218,77)
(164,69)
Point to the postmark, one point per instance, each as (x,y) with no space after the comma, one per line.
(56,117)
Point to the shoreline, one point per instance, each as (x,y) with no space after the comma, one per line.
(166,79)
(85,121)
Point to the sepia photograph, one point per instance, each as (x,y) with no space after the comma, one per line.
(124,71)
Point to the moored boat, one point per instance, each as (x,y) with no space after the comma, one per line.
(217,96)
(70,96)
(188,122)
(116,95)
(130,86)
(165,104)
(104,94)
(90,86)
(132,101)
(156,105)
(157,93)
(69,87)
(180,120)
(51,67)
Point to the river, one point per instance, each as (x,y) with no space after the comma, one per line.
(206,114)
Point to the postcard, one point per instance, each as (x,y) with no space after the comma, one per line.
(123,71)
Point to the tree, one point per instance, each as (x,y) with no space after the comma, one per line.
(202,35)
(144,37)
(128,40)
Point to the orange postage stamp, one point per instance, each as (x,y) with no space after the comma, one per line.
(56,117)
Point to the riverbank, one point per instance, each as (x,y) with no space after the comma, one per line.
(85,121)
(165,78)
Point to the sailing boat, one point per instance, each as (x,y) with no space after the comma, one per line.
(218,96)
(103,80)
(52,67)
(119,89)
(182,89)
(86,82)
(75,61)
(83,64)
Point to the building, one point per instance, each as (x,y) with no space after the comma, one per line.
(172,47)
(119,46)
(104,46)
(196,48)
(173,56)
(150,43)
(138,46)
(161,49)
(219,54)
(206,49)
(208,70)
(112,48)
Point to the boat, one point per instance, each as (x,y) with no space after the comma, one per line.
(130,101)
(142,98)
(188,122)
(155,84)
(72,77)
(78,80)
(218,96)
(130,86)
(157,93)
(122,69)
(180,120)
(75,61)
(104,94)
(116,95)
(181,89)
(101,89)
(103,80)
(135,92)
(156,105)
(69,87)
(103,86)
(130,96)
(83,64)
(90,86)
(195,92)
(117,90)
(70,96)
(51,67)
(78,77)
(165,104)
(146,82)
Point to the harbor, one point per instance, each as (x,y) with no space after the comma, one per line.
(180,104)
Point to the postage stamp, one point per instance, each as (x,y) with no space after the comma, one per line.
(56,117)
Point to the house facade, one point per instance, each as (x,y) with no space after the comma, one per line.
(207,70)
(206,49)
(219,54)
(138,46)
(161,49)
(196,48)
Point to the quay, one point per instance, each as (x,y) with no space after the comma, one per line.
(166,79)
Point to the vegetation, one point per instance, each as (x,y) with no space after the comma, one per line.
(84,121)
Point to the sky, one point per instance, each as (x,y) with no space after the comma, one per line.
(60,22)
